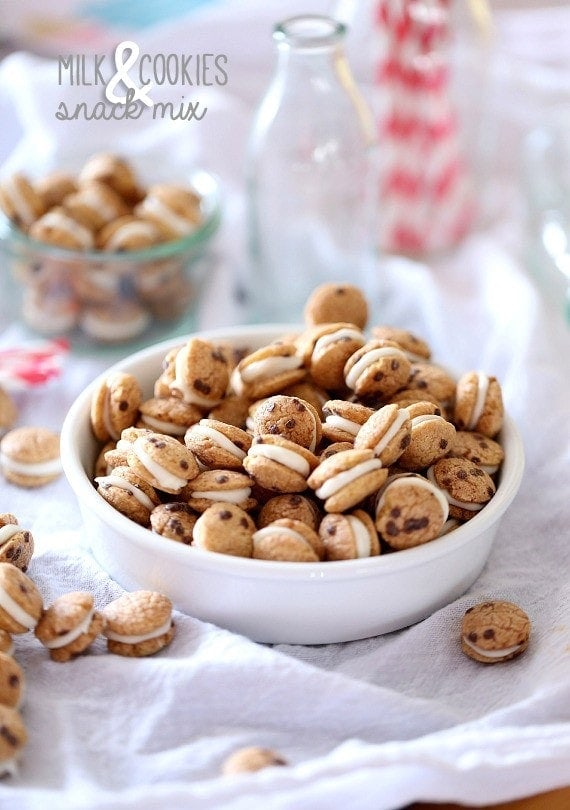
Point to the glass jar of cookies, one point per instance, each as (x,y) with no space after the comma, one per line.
(102,258)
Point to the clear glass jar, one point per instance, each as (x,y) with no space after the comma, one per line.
(311,174)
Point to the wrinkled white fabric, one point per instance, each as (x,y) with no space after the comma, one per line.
(371,724)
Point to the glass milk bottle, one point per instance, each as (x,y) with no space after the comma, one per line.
(310,173)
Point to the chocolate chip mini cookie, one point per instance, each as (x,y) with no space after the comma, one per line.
(169,415)
(387,432)
(287,540)
(164,462)
(345,479)
(69,625)
(343,419)
(225,528)
(326,349)
(289,417)
(115,405)
(349,536)
(174,520)
(16,543)
(479,403)
(12,681)
(201,374)
(409,511)
(268,370)
(278,465)
(218,445)
(331,302)
(379,368)
(29,456)
(21,603)
(494,631)
(12,740)
(292,506)
(465,485)
(216,486)
(138,624)
(128,493)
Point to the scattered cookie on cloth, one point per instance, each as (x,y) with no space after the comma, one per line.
(69,625)
(21,604)
(29,456)
(494,631)
(138,623)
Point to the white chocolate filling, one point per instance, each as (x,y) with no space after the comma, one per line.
(341,423)
(105,329)
(93,197)
(72,635)
(131,230)
(471,507)
(368,359)
(421,483)
(361,536)
(332,485)
(491,653)
(490,469)
(8,531)
(125,639)
(270,531)
(121,483)
(401,417)
(224,495)
(282,455)
(218,438)
(482,389)
(107,416)
(340,334)
(166,480)
(425,417)
(39,468)
(156,208)
(160,426)
(15,611)
(270,367)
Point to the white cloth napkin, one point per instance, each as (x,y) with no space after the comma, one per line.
(371,724)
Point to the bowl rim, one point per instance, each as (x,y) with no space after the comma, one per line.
(389,563)
(205,183)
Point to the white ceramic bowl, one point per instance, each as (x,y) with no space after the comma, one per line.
(280,602)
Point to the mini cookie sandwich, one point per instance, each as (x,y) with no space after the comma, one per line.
(21,604)
(494,631)
(201,374)
(16,543)
(232,410)
(49,312)
(331,302)
(13,738)
(410,510)
(217,445)
(335,447)
(102,465)
(163,461)
(69,625)
(481,450)
(138,624)
(465,485)
(117,322)
(289,541)
(214,486)
(416,349)
(349,536)
(278,465)
(409,396)
(268,370)
(292,506)
(225,528)
(127,233)
(174,520)
(128,493)
(289,417)
(20,201)
(343,419)
(6,642)
(479,404)
(174,210)
(115,172)
(59,228)
(115,405)
(8,411)
(162,384)
(345,479)
(169,415)
(95,286)
(429,378)
(387,432)
(309,392)
(379,368)
(117,453)
(94,205)
(251,759)
(29,456)
(12,681)
(54,187)
(430,439)
(326,349)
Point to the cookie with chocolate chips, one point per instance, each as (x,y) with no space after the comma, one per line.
(494,631)
(225,528)
(175,521)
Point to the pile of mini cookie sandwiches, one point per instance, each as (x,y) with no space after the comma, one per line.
(324,445)
(104,208)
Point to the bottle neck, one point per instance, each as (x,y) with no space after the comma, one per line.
(309,44)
